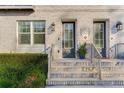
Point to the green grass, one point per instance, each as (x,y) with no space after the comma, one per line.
(23,70)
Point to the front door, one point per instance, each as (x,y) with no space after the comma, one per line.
(100,37)
(68,44)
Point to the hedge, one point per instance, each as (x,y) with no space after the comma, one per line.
(24,70)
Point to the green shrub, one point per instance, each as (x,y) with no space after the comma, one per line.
(6,83)
(17,69)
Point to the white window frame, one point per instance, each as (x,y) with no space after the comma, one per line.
(36,32)
(22,32)
(31,32)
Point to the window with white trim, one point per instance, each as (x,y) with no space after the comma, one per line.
(31,32)
(24,32)
(39,32)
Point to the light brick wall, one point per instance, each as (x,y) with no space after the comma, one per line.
(83,16)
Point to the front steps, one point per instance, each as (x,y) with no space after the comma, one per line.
(84,73)
(79,82)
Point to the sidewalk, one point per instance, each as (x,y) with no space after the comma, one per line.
(85,86)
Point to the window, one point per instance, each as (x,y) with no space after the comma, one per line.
(99,35)
(31,32)
(24,33)
(68,35)
(39,32)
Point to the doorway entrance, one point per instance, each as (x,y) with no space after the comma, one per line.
(68,44)
(99,37)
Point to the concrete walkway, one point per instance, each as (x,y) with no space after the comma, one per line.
(86,86)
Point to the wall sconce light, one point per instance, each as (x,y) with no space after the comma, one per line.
(119,26)
(53,27)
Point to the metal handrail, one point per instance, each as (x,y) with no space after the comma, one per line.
(116,49)
(93,48)
(50,59)
(49,52)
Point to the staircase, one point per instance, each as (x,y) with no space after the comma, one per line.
(75,72)
(93,72)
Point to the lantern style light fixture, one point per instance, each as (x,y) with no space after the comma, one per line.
(119,26)
(53,27)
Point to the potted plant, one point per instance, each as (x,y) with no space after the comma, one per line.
(82,51)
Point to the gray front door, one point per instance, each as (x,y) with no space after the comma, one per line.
(100,37)
(68,43)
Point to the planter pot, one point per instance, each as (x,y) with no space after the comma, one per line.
(82,56)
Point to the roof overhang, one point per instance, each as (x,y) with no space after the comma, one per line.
(16,7)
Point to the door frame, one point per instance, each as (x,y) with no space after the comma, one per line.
(73,35)
(105,36)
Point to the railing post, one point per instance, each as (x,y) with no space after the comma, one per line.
(52,58)
(49,59)
(91,54)
(100,74)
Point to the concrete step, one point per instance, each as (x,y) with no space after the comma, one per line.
(82,64)
(80,79)
(55,64)
(112,75)
(87,74)
(73,75)
(112,69)
(67,82)
(86,69)
(86,86)
(73,69)
(87,62)
(79,64)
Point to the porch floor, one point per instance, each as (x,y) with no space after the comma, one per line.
(87,60)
